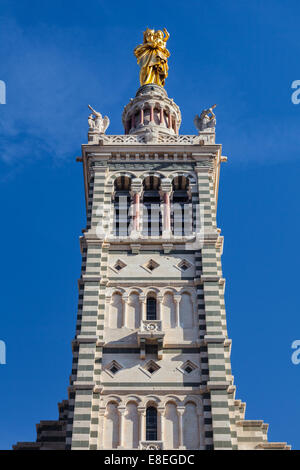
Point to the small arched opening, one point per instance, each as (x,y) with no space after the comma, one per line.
(151,424)
(121,205)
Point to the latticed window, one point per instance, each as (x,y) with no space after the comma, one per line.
(181,209)
(151,308)
(121,215)
(181,214)
(122,201)
(152,220)
(151,424)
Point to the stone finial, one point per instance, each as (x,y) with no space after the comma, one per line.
(206,120)
(151,114)
(96,122)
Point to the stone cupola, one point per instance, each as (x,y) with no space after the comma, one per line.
(151,112)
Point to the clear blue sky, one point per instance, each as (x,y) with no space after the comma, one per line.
(56,57)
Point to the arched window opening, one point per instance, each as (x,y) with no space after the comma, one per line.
(121,206)
(127,126)
(166,118)
(181,212)
(152,220)
(156,113)
(174,123)
(137,118)
(151,308)
(146,115)
(151,424)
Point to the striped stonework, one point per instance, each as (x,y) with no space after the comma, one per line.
(151,330)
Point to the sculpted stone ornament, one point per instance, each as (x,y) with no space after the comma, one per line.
(96,122)
(151,327)
(206,120)
(152,57)
(150,136)
(151,445)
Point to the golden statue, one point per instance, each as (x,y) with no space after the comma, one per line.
(152,57)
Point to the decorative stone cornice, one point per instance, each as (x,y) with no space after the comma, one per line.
(210,278)
(141,138)
(86,339)
(203,342)
(250,423)
(273,446)
(208,339)
(83,385)
(211,385)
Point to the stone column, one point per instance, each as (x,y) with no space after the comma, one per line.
(177,299)
(167,214)
(136,191)
(166,189)
(159,305)
(180,412)
(162,122)
(176,128)
(142,424)
(125,303)
(142,116)
(136,215)
(142,299)
(160,423)
(121,427)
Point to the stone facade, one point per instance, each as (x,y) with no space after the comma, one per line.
(151,355)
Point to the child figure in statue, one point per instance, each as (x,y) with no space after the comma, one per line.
(152,57)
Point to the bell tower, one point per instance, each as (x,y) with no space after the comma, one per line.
(151,354)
